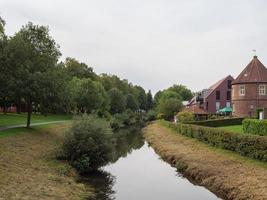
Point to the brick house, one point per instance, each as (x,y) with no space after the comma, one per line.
(249,89)
(215,97)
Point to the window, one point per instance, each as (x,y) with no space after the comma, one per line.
(229,83)
(218,95)
(242,90)
(228,95)
(228,104)
(218,105)
(261,89)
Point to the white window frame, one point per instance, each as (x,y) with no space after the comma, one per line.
(242,90)
(218,105)
(262,89)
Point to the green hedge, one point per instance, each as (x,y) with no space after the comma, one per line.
(252,146)
(218,122)
(255,126)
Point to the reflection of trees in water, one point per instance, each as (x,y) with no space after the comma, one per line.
(103,183)
(125,141)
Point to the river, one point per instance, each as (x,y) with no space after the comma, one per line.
(138,173)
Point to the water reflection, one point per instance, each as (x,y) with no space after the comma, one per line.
(138,173)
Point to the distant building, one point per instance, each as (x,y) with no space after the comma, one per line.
(249,89)
(214,98)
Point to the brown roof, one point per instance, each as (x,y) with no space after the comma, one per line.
(255,71)
(216,85)
(196,110)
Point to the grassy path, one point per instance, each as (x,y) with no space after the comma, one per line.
(29,170)
(226,174)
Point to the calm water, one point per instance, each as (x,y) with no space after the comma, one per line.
(138,173)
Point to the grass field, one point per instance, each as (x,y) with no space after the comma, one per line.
(18,119)
(234,128)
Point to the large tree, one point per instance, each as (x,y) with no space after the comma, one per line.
(117,101)
(34,54)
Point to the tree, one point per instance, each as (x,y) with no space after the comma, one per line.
(142,98)
(117,101)
(149,100)
(37,53)
(169,108)
(79,69)
(183,91)
(131,102)
(2,25)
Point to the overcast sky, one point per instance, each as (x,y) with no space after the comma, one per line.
(152,43)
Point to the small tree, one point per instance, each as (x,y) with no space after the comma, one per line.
(185,116)
(169,107)
(87,145)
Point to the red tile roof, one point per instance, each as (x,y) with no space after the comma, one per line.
(196,110)
(255,71)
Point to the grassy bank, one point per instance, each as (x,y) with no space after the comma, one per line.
(17,119)
(29,169)
(226,174)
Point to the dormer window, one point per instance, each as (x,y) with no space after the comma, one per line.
(242,90)
(262,90)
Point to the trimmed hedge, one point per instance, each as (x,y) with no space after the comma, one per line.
(218,122)
(255,126)
(252,146)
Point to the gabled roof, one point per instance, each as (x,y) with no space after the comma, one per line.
(254,72)
(216,85)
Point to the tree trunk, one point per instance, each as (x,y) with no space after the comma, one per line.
(29,114)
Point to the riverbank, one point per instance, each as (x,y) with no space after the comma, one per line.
(29,169)
(226,174)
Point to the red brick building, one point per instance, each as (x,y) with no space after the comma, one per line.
(249,89)
(215,97)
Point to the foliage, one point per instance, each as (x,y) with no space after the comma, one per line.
(218,122)
(255,126)
(87,145)
(169,107)
(185,116)
(149,100)
(151,115)
(117,101)
(183,91)
(131,102)
(246,145)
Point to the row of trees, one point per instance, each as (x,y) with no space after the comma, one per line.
(31,76)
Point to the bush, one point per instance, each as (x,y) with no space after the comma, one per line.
(252,146)
(185,116)
(255,126)
(218,122)
(151,115)
(87,145)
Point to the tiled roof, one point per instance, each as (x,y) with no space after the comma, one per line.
(255,71)
(196,110)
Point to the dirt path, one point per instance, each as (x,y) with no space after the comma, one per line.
(225,174)
(29,170)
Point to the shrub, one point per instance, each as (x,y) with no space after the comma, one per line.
(151,115)
(255,126)
(218,122)
(87,144)
(185,116)
(252,146)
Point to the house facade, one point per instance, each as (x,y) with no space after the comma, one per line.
(214,98)
(249,89)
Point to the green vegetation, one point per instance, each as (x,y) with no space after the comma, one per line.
(19,119)
(185,117)
(246,145)
(233,128)
(255,126)
(87,145)
(218,122)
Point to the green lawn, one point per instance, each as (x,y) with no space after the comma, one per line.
(233,128)
(18,119)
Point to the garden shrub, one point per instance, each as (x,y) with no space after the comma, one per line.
(252,146)
(87,144)
(185,116)
(218,122)
(255,126)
